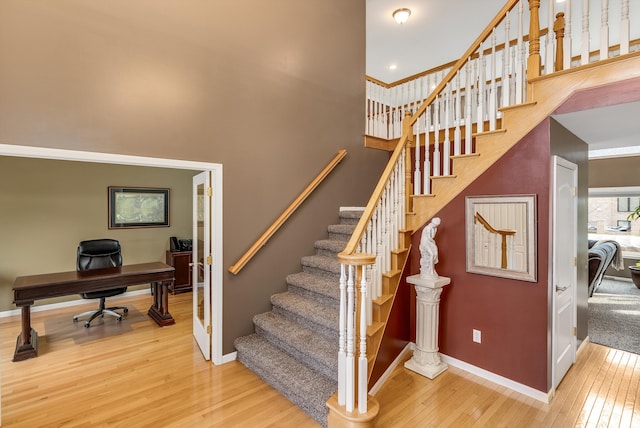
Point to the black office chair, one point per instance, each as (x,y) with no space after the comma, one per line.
(97,254)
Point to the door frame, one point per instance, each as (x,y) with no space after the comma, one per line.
(216,216)
(556,162)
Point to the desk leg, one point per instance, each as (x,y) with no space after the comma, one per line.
(159,311)
(27,343)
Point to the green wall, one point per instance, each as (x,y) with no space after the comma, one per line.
(49,206)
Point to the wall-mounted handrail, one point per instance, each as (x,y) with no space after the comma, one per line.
(234,269)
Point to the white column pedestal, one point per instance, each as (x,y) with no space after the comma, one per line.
(426,359)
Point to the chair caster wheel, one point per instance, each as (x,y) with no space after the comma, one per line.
(126,310)
(75,319)
(87,325)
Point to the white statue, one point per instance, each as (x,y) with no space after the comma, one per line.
(429,250)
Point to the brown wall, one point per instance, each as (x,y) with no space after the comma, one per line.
(614,172)
(49,206)
(263,88)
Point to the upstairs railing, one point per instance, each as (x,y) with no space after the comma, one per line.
(434,124)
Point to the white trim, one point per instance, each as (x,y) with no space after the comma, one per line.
(110,158)
(389,371)
(351,209)
(227,358)
(500,380)
(69,303)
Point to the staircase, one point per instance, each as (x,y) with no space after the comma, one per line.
(295,346)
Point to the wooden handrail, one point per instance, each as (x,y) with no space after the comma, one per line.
(234,269)
(502,232)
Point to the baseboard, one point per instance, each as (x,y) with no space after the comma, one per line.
(544,397)
(227,358)
(387,373)
(70,303)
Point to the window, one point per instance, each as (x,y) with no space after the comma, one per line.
(607,219)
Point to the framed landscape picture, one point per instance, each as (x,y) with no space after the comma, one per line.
(135,207)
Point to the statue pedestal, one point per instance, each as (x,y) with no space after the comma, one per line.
(426,359)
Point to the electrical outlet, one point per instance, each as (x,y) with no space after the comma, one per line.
(477,336)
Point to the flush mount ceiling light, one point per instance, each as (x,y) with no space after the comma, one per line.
(401,15)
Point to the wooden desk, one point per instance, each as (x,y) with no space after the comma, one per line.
(27,289)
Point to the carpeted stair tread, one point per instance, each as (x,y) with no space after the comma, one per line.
(333,245)
(302,385)
(350,217)
(330,265)
(307,311)
(322,285)
(306,345)
(341,232)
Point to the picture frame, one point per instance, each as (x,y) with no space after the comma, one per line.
(501,236)
(138,207)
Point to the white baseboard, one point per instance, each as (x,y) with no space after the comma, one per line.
(387,373)
(227,358)
(544,397)
(76,302)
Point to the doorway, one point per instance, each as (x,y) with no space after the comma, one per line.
(216,218)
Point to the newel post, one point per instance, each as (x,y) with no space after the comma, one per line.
(407,129)
(533,62)
(558,28)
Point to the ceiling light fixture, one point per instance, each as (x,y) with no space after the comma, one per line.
(401,15)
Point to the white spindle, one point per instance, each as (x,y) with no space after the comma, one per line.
(436,137)
(403,207)
(624,27)
(584,58)
(549,59)
(568,41)
(481,81)
(506,57)
(457,118)
(604,30)
(375,269)
(446,144)
(417,179)
(468,119)
(521,51)
(493,105)
(363,370)
(349,365)
(342,339)
(426,169)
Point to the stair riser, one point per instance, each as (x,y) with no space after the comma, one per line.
(324,273)
(326,253)
(339,236)
(314,296)
(329,332)
(317,412)
(331,373)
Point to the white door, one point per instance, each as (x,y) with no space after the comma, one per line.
(565,213)
(202,258)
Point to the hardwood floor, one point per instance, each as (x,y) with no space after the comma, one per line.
(151,376)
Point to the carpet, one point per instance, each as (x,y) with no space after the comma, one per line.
(614,315)
(63,328)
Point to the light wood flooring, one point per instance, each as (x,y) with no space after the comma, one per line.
(152,376)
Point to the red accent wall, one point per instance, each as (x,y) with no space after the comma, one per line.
(512,315)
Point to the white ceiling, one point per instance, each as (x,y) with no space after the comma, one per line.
(445,29)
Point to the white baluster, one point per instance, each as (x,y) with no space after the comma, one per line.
(363,369)
(426,169)
(549,58)
(446,144)
(506,57)
(468,119)
(375,271)
(584,58)
(604,30)
(401,192)
(417,178)
(367,109)
(521,51)
(350,361)
(387,239)
(568,42)
(624,27)
(493,104)
(342,340)
(457,118)
(436,137)
(481,82)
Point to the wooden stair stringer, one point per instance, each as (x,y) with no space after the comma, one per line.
(382,306)
(549,92)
